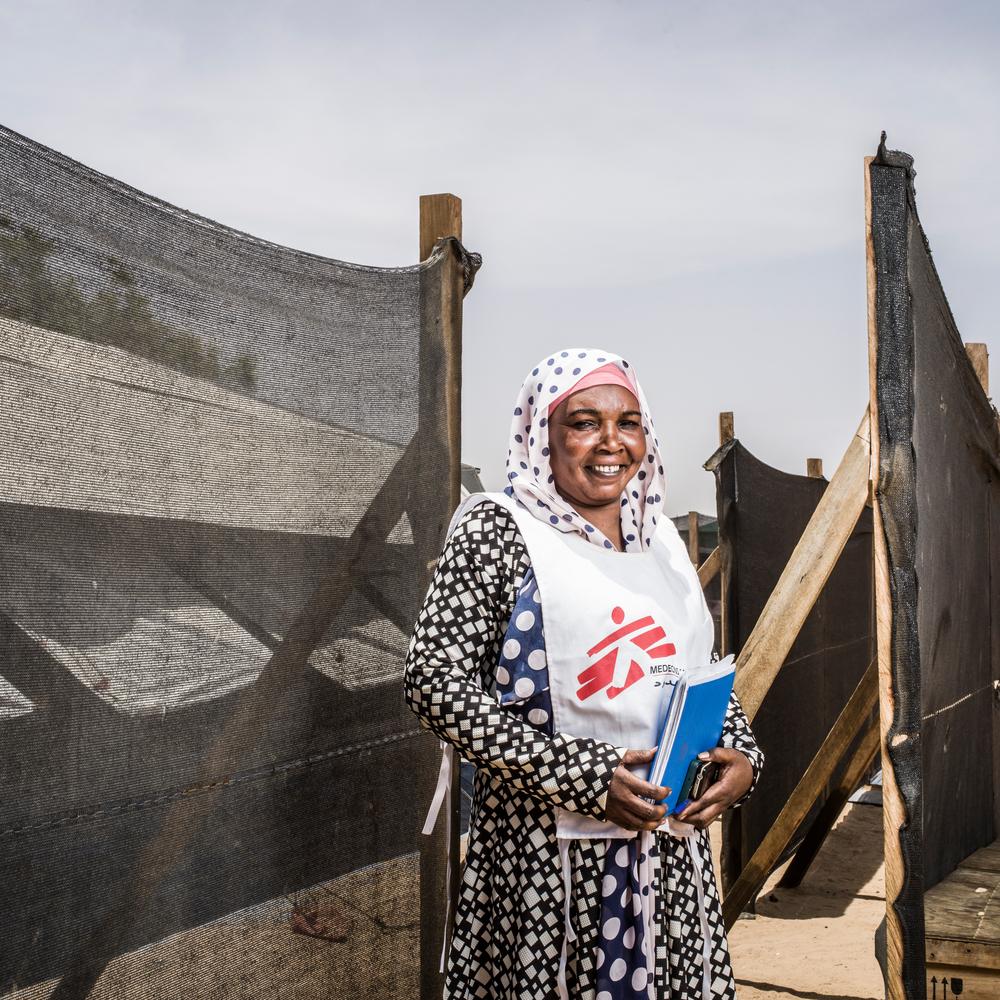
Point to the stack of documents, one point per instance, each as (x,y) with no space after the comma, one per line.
(693,724)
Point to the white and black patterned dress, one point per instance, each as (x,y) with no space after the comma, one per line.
(493,707)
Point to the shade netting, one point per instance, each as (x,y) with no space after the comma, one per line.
(763,513)
(221,477)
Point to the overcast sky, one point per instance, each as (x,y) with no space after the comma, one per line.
(679,183)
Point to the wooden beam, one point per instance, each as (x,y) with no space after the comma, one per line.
(857,767)
(439,430)
(850,721)
(727,429)
(693,547)
(814,468)
(979,355)
(440,216)
(804,576)
(894,810)
(708,569)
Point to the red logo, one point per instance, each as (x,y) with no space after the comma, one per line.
(608,670)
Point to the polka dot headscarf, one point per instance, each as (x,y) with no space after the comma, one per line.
(529,475)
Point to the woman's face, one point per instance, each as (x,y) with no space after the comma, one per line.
(596,444)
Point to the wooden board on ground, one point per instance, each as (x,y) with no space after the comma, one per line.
(962,915)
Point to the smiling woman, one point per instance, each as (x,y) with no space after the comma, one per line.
(561,613)
(597,445)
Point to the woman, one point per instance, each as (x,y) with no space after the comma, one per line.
(574,884)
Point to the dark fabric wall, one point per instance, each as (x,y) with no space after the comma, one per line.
(762,514)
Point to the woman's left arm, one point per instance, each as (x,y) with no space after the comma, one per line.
(740,761)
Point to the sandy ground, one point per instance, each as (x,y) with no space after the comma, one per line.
(817,942)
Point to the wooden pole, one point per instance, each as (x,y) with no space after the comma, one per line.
(814,468)
(727,432)
(804,576)
(693,548)
(852,718)
(894,811)
(440,216)
(727,429)
(979,355)
(440,428)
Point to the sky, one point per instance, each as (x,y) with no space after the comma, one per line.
(678,183)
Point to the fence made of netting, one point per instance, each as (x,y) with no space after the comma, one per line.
(763,512)
(224,468)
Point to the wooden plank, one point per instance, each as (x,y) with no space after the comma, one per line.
(440,434)
(693,547)
(710,567)
(814,468)
(986,859)
(964,907)
(440,217)
(727,429)
(811,785)
(807,571)
(966,954)
(104,431)
(979,355)
(971,983)
(893,807)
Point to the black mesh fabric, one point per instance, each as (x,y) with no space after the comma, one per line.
(215,515)
(762,514)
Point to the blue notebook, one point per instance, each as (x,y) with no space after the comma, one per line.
(693,723)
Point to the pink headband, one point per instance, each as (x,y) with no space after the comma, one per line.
(609,374)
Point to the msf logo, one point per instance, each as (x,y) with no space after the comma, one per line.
(621,655)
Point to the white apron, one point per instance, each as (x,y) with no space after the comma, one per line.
(619,628)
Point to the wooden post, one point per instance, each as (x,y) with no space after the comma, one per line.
(894,813)
(693,548)
(980,358)
(804,576)
(852,718)
(440,216)
(440,428)
(814,468)
(727,430)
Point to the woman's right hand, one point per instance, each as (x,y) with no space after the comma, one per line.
(627,806)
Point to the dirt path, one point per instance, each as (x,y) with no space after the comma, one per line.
(816,942)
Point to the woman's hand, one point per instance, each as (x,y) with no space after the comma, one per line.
(735,777)
(627,794)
